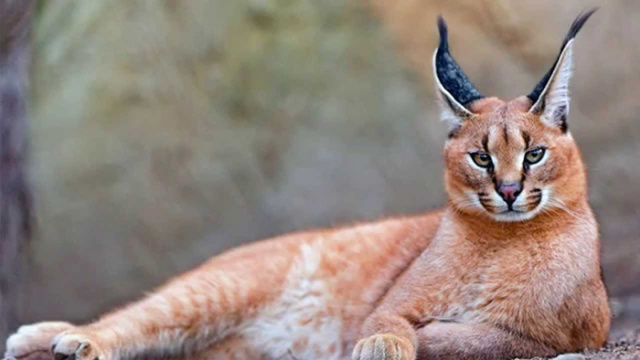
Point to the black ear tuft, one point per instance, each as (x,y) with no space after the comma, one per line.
(577,25)
(448,73)
(444,34)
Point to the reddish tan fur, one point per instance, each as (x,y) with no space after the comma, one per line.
(487,289)
(459,283)
(358,264)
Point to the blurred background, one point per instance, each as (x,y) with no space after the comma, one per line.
(164,132)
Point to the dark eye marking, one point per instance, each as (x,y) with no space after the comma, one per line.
(527,139)
(485,143)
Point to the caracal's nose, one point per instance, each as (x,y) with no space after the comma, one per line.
(509,191)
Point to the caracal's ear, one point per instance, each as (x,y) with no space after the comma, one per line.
(550,98)
(454,88)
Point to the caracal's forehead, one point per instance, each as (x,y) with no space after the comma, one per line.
(500,127)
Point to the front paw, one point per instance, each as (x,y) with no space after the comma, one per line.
(76,345)
(35,338)
(383,347)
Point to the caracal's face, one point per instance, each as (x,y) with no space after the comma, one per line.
(510,161)
(507,164)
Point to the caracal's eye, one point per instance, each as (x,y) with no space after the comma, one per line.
(481,159)
(534,156)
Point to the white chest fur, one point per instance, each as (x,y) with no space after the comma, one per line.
(300,324)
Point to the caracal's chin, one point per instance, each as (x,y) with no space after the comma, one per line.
(514,215)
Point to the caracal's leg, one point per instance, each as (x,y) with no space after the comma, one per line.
(191,313)
(452,341)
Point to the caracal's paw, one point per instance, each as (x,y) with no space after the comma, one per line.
(76,345)
(35,338)
(383,347)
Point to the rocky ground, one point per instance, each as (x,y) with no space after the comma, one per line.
(622,347)
(625,347)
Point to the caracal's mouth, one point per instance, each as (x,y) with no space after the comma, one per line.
(524,208)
